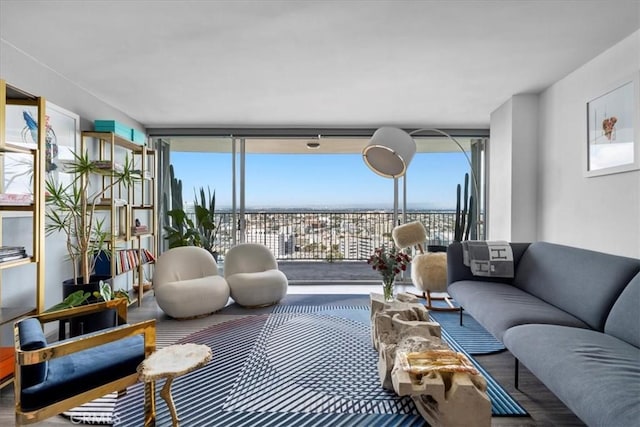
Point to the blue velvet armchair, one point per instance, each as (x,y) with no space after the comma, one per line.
(52,378)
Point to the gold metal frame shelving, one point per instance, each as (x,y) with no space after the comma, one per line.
(139,198)
(10,95)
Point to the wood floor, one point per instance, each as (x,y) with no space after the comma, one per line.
(545,409)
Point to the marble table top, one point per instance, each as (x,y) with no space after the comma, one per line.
(173,361)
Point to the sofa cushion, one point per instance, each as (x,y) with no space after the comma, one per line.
(32,338)
(624,321)
(499,306)
(75,373)
(596,375)
(582,282)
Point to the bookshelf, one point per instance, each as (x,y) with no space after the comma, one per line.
(131,212)
(29,204)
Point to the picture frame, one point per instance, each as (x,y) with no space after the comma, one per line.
(63,133)
(613,129)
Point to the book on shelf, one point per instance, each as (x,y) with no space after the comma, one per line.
(12,253)
(107,200)
(7,258)
(125,260)
(147,256)
(11,250)
(16,199)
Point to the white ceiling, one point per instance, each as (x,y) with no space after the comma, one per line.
(444,64)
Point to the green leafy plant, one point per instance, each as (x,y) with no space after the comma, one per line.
(207,229)
(78,298)
(180,230)
(71,209)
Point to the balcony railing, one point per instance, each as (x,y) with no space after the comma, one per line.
(328,235)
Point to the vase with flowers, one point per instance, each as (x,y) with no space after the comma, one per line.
(389,262)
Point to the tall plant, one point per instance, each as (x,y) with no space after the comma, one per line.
(205,209)
(71,209)
(179,228)
(465,215)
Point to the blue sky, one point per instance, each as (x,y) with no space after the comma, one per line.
(321,180)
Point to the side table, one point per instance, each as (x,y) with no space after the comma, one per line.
(171,362)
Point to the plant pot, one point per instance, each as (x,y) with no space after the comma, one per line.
(87,323)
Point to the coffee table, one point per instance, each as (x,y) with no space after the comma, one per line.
(171,362)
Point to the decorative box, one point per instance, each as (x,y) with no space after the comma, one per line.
(138,137)
(112,126)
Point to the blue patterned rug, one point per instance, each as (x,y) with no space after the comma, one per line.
(299,365)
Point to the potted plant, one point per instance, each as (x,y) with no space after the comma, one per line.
(207,229)
(180,230)
(71,210)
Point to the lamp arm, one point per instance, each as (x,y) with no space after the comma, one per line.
(473,173)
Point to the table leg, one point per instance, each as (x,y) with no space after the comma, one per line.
(165,393)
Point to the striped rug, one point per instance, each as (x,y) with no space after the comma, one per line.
(299,365)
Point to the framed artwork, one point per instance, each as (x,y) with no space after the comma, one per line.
(62,133)
(613,129)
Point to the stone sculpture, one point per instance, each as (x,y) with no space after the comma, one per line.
(414,361)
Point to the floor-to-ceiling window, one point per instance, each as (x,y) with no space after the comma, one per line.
(314,198)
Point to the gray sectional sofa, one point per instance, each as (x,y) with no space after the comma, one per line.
(572,317)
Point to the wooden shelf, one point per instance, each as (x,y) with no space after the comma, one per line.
(17,208)
(116,139)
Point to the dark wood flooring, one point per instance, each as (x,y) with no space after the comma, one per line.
(544,408)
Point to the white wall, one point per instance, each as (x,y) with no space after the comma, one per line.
(499,174)
(600,213)
(512,164)
(24,72)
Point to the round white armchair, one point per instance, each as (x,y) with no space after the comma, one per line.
(252,273)
(187,284)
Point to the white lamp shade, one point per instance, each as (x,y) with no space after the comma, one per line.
(389,152)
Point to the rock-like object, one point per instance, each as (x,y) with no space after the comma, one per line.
(446,398)
(403,322)
(404,310)
(443,398)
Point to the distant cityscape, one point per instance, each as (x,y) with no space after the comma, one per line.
(330,235)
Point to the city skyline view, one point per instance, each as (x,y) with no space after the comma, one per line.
(321,181)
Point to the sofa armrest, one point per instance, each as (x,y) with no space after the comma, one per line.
(456,270)
(52,351)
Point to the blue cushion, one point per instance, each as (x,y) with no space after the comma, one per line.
(32,338)
(70,375)
(581,282)
(596,375)
(499,306)
(623,321)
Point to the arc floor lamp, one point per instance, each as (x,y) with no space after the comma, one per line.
(389,153)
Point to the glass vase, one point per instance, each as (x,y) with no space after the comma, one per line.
(388,290)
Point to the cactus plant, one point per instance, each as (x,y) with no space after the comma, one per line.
(465,216)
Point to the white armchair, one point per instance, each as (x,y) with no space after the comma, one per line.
(252,273)
(187,284)
(428,270)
